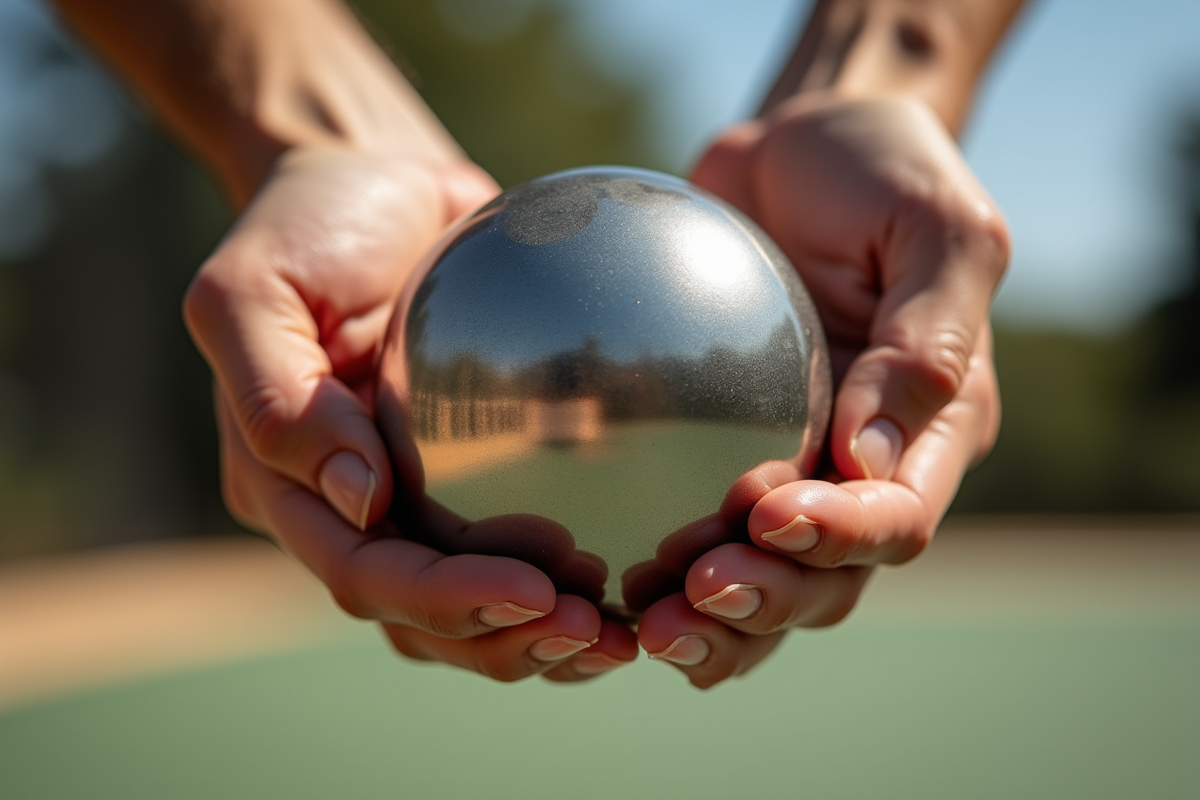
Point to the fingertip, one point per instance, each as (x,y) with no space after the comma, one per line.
(688,650)
(506,615)
(355,489)
(800,534)
(668,621)
(557,648)
(571,628)
(877,448)
(789,513)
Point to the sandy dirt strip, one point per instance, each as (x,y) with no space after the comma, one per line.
(89,619)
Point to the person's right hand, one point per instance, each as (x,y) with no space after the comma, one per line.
(902,251)
(290,312)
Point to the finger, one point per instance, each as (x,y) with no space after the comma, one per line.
(925,333)
(884,522)
(385,577)
(302,282)
(830,525)
(944,253)
(705,650)
(907,248)
(264,348)
(616,647)
(758,592)
(514,653)
(404,582)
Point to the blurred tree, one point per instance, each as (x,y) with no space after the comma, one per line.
(1177,321)
(1104,424)
(506,78)
(106,432)
(104,428)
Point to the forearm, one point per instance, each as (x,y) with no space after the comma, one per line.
(935,50)
(241,81)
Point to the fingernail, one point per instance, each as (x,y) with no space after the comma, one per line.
(595,663)
(349,486)
(877,449)
(686,651)
(505,615)
(736,601)
(798,536)
(556,648)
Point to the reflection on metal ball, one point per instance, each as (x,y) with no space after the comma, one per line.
(606,349)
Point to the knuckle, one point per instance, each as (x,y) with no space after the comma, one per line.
(205,295)
(431,622)
(955,219)
(942,364)
(995,241)
(265,423)
(976,227)
(835,550)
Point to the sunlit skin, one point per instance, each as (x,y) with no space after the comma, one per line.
(902,251)
(344,179)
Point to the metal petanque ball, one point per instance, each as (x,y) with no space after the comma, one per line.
(606,349)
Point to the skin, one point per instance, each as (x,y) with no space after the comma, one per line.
(343,179)
(852,168)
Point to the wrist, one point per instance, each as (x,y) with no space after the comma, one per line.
(933,51)
(319,80)
(242,82)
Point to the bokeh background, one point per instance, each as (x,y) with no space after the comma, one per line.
(1046,647)
(1087,132)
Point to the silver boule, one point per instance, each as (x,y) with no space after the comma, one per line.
(603,352)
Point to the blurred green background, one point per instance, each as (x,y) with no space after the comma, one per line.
(105,427)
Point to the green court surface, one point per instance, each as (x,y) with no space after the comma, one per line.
(868,711)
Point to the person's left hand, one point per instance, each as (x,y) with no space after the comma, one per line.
(902,251)
(291,312)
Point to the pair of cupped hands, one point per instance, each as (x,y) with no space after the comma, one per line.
(899,246)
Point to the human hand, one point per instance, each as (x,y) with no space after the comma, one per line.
(902,251)
(290,312)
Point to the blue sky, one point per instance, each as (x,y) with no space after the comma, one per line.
(1071,132)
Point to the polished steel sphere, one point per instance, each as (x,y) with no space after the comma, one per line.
(602,351)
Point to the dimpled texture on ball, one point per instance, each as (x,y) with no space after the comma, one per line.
(607,349)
